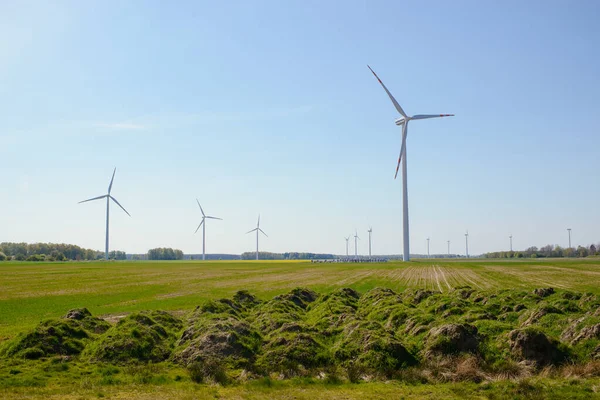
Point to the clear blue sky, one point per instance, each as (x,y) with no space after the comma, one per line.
(268,107)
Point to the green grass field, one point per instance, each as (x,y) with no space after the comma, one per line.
(33,292)
(30,292)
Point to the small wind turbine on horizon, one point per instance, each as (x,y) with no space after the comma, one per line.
(257,229)
(347,238)
(108,199)
(370,231)
(203,225)
(356,244)
(403,122)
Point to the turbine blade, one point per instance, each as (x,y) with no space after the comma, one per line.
(426,116)
(111,180)
(400,110)
(95,198)
(201,210)
(199,225)
(258,223)
(119,204)
(263,232)
(402,149)
(252,230)
(221,219)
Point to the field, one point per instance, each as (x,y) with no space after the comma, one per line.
(33,292)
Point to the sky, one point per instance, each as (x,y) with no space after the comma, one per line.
(268,107)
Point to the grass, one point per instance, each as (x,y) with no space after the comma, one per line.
(32,293)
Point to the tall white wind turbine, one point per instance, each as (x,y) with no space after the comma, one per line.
(203,225)
(356,244)
(257,229)
(370,231)
(403,122)
(108,199)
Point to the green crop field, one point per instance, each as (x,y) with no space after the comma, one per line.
(30,292)
(35,296)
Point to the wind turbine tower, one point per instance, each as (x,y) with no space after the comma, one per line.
(347,239)
(427,247)
(467,243)
(510,237)
(448,248)
(108,199)
(403,122)
(370,231)
(569,229)
(257,229)
(356,244)
(203,225)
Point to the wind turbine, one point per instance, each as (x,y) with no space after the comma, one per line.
(257,229)
(510,237)
(203,225)
(448,249)
(108,198)
(403,122)
(370,231)
(427,247)
(467,243)
(356,244)
(347,238)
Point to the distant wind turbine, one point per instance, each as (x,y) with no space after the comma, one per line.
(347,238)
(427,247)
(108,198)
(403,122)
(257,229)
(356,244)
(370,231)
(467,243)
(203,225)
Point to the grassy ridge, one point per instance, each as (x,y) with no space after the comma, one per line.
(32,292)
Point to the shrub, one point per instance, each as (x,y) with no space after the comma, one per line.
(210,368)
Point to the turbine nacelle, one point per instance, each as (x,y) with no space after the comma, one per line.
(400,121)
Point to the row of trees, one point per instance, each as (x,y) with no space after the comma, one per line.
(263,255)
(52,252)
(548,251)
(165,253)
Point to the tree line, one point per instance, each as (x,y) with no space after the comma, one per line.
(165,253)
(52,252)
(548,251)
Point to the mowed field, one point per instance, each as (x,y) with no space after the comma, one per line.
(31,292)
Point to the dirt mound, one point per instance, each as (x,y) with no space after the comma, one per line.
(536,314)
(292,351)
(299,296)
(142,336)
(245,299)
(329,312)
(383,305)
(64,336)
(452,339)
(543,292)
(369,345)
(225,338)
(416,296)
(78,314)
(533,345)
